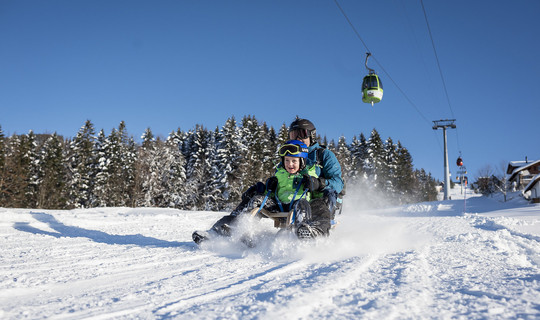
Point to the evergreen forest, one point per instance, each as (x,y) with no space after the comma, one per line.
(199,169)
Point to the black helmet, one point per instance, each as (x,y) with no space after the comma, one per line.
(304,126)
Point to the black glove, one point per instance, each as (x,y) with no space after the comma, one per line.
(312,183)
(271,184)
(322,184)
(257,188)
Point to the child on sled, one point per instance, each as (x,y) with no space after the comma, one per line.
(290,189)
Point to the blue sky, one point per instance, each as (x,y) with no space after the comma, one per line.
(175,64)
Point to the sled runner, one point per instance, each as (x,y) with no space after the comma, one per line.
(281,219)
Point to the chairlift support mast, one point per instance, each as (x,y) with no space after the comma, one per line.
(444,124)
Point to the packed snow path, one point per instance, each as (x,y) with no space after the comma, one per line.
(426,260)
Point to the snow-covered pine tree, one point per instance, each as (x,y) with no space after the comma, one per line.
(375,161)
(19,177)
(283,135)
(186,139)
(52,190)
(13,177)
(145,178)
(148,139)
(268,154)
(363,153)
(344,156)
(102,170)
(251,167)
(331,145)
(389,169)
(112,149)
(120,154)
(5,175)
(226,167)
(274,142)
(82,164)
(173,174)
(281,138)
(30,160)
(425,186)
(160,177)
(187,149)
(404,175)
(198,168)
(3,172)
(207,198)
(217,186)
(211,195)
(2,154)
(128,173)
(353,147)
(359,153)
(431,188)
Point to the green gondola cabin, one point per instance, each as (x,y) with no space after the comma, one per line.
(372,89)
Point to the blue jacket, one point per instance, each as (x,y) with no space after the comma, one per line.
(330,168)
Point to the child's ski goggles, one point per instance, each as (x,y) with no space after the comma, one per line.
(293,150)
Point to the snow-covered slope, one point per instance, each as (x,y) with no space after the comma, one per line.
(428,260)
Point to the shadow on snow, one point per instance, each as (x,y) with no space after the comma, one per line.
(63,230)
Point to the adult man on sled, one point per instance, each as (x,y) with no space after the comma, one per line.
(326,182)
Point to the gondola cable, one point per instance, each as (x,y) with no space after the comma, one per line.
(380,66)
(385,72)
(440,71)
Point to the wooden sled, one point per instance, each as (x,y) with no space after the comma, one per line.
(281,219)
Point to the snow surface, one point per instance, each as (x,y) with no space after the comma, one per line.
(428,260)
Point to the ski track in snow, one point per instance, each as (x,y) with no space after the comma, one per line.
(423,261)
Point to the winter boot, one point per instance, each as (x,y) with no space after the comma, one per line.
(223,226)
(302,210)
(199,236)
(305,231)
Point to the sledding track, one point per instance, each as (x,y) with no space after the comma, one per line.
(140,263)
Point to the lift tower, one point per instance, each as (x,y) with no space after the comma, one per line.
(437,124)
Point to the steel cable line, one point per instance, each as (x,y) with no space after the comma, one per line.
(380,66)
(440,71)
(387,74)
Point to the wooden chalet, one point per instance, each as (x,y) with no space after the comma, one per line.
(525,175)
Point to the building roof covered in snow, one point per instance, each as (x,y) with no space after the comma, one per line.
(531,184)
(515,167)
(512,165)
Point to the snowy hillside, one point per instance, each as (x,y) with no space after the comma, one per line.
(427,260)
